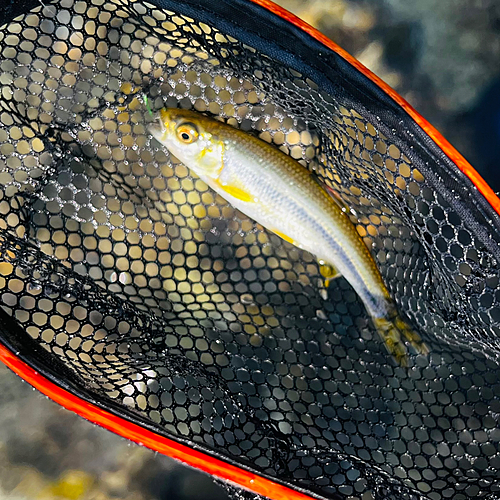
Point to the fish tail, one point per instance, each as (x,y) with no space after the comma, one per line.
(394,331)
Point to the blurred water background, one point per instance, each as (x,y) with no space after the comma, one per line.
(440,56)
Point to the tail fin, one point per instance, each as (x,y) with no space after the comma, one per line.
(393,329)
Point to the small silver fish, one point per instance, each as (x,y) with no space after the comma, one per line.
(281,195)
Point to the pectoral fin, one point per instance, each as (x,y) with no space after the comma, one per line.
(235,192)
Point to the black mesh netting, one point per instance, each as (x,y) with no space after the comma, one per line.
(164,301)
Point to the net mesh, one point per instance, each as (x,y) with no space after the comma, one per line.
(163,299)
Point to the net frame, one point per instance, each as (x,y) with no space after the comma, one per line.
(85,404)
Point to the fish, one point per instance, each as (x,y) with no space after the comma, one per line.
(279,193)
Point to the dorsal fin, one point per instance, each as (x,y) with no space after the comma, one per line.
(333,194)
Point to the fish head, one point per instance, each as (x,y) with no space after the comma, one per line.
(190,137)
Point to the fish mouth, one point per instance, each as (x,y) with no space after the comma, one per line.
(157,128)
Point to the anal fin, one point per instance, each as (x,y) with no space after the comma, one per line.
(284,237)
(329,272)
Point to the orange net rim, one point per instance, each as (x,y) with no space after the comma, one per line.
(145,437)
(462,164)
(170,447)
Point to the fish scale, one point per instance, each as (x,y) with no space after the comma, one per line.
(280,194)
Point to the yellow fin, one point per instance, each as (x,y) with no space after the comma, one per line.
(391,329)
(328,272)
(283,236)
(332,193)
(235,192)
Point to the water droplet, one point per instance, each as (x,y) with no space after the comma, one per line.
(321,314)
(125,278)
(34,287)
(246,298)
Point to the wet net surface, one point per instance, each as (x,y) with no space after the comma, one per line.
(162,299)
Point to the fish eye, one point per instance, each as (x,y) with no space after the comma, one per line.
(187,133)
